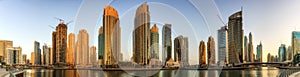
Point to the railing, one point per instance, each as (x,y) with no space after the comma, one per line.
(288,72)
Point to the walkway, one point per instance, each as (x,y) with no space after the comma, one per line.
(3,72)
(296,74)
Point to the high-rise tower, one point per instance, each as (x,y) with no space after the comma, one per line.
(167,43)
(235,38)
(61,43)
(222,44)
(250,49)
(154,52)
(141,35)
(211,51)
(202,53)
(71,49)
(82,48)
(112,36)
(100,46)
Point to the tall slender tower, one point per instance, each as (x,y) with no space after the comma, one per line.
(100,46)
(235,38)
(211,51)
(259,52)
(154,42)
(32,58)
(250,49)
(53,52)
(82,48)
(112,36)
(37,53)
(93,55)
(141,35)
(45,55)
(222,45)
(282,53)
(61,43)
(181,50)
(245,57)
(202,53)
(295,42)
(167,43)
(71,48)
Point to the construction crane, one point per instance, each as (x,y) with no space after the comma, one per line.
(62,21)
(69,22)
(225,24)
(51,26)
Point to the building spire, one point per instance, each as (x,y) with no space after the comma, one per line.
(241,8)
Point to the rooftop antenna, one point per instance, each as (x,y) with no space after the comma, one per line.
(241,8)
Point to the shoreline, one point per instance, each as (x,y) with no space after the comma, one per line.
(145,69)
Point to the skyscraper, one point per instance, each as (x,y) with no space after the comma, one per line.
(53,51)
(93,56)
(259,52)
(269,57)
(49,59)
(282,53)
(296,42)
(202,53)
(141,35)
(45,55)
(112,36)
(289,53)
(154,42)
(245,57)
(211,51)
(14,55)
(32,58)
(100,46)
(82,48)
(235,38)
(250,49)
(24,58)
(71,49)
(61,43)
(222,44)
(181,50)
(3,45)
(167,43)
(37,53)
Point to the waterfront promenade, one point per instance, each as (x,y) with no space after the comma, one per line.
(296,74)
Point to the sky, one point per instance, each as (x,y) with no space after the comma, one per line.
(271,22)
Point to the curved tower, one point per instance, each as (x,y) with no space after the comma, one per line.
(141,35)
(202,53)
(111,33)
(211,51)
(235,38)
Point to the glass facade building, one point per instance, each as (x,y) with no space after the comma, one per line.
(222,45)
(282,53)
(296,42)
(259,52)
(167,43)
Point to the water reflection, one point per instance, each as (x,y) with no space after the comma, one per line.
(263,72)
